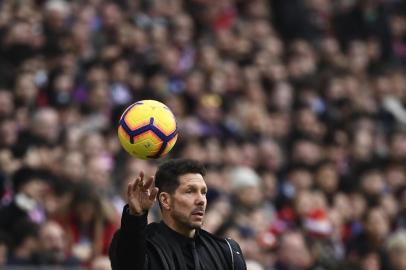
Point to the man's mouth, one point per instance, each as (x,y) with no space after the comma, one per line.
(198,213)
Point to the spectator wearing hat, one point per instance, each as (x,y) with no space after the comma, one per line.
(245,184)
(326,251)
(250,214)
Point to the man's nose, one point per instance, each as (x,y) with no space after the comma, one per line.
(201,199)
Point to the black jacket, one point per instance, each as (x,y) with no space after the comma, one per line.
(138,246)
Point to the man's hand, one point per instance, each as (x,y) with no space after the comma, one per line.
(141,195)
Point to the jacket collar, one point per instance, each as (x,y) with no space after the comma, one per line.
(177,236)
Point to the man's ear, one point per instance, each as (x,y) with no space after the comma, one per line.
(165,200)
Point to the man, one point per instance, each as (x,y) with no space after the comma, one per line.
(53,246)
(396,251)
(177,242)
(293,253)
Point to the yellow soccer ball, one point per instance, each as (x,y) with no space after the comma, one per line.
(147,129)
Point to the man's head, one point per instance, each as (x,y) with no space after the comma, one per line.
(45,125)
(293,251)
(246,186)
(376,223)
(182,193)
(52,242)
(396,247)
(33,183)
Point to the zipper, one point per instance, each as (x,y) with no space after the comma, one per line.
(232,255)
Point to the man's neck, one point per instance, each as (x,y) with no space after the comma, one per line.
(179,228)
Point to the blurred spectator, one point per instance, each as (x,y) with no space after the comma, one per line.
(90,226)
(101,263)
(253,265)
(245,183)
(293,252)
(53,246)
(25,243)
(396,247)
(371,239)
(44,130)
(6,103)
(58,199)
(368,19)
(30,187)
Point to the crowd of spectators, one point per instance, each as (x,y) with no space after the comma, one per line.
(297,107)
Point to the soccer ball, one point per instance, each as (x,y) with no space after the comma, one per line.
(147,129)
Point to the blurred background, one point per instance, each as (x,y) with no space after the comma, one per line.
(297,107)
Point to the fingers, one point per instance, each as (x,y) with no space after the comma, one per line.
(153,194)
(148,184)
(139,183)
(131,187)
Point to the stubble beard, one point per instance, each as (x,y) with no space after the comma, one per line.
(185,221)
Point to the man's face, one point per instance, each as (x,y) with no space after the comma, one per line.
(188,203)
(53,243)
(294,252)
(397,258)
(377,224)
(52,237)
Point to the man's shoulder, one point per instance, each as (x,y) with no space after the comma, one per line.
(155,230)
(230,247)
(226,242)
(206,234)
(152,228)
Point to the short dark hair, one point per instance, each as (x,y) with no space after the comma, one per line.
(85,193)
(167,176)
(27,174)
